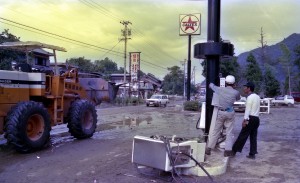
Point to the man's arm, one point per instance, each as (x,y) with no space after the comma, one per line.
(238,96)
(214,87)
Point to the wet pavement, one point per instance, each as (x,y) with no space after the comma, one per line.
(106,157)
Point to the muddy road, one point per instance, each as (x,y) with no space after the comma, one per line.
(106,157)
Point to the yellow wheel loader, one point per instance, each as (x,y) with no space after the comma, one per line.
(31,103)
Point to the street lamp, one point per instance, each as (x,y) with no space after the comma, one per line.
(183,63)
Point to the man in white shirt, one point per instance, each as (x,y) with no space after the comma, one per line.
(250,123)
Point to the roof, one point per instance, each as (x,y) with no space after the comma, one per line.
(29,46)
(41,51)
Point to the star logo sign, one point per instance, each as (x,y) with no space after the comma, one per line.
(190,24)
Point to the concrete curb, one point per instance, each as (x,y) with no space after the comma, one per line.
(214,164)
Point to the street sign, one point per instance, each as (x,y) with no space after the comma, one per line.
(134,65)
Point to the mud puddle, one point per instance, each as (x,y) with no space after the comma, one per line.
(126,123)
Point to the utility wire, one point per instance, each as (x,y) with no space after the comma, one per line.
(144,61)
(154,65)
(104,10)
(57,38)
(58,35)
(111,48)
(96,6)
(69,39)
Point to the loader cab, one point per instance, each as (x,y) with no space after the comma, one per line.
(24,67)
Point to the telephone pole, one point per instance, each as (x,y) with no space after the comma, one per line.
(194,75)
(263,45)
(184,81)
(125,33)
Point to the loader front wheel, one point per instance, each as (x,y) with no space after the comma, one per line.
(82,119)
(27,126)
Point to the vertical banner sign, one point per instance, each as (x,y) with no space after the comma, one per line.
(134,67)
(190,24)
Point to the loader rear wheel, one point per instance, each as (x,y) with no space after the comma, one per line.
(27,126)
(82,119)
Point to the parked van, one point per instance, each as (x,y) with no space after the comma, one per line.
(157,100)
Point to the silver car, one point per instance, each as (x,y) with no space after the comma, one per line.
(157,100)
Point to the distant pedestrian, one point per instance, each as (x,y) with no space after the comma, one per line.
(225,117)
(250,123)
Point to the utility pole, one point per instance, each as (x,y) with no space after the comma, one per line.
(184,82)
(263,45)
(263,54)
(212,50)
(194,75)
(126,33)
(189,70)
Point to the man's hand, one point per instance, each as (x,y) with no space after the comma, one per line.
(245,123)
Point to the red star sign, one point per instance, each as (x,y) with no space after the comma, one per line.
(189,24)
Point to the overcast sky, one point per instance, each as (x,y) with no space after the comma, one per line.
(155,26)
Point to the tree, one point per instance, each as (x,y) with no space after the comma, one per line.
(272,85)
(286,63)
(84,65)
(297,63)
(106,66)
(253,73)
(227,67)
(7,56)
(173,81)
(230,67)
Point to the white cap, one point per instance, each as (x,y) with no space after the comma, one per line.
(230,79)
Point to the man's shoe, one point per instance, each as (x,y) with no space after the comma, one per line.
(208,151)
(228,153)
(251,156)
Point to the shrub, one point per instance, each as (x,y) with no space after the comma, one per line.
(191,106)
(118,100)
(105,99)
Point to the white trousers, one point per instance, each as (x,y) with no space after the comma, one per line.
(224,119)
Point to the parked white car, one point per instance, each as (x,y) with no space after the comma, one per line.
(157,100)
(283,100)
(240,105)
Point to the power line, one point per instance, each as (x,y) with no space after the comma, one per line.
(57,38)
(59,35)
(94,5)
(157,66)
(104,10)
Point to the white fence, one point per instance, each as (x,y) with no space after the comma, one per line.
(265,106)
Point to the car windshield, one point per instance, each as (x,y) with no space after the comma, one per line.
(279,98)
(156,97)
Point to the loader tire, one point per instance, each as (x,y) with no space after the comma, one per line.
(27,126)
(82,119)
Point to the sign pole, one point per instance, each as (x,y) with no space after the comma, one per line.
(189,25)
(189,70)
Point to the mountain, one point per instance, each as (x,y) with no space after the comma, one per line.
(273,53)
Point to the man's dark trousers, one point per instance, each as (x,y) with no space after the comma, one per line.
(250,129)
